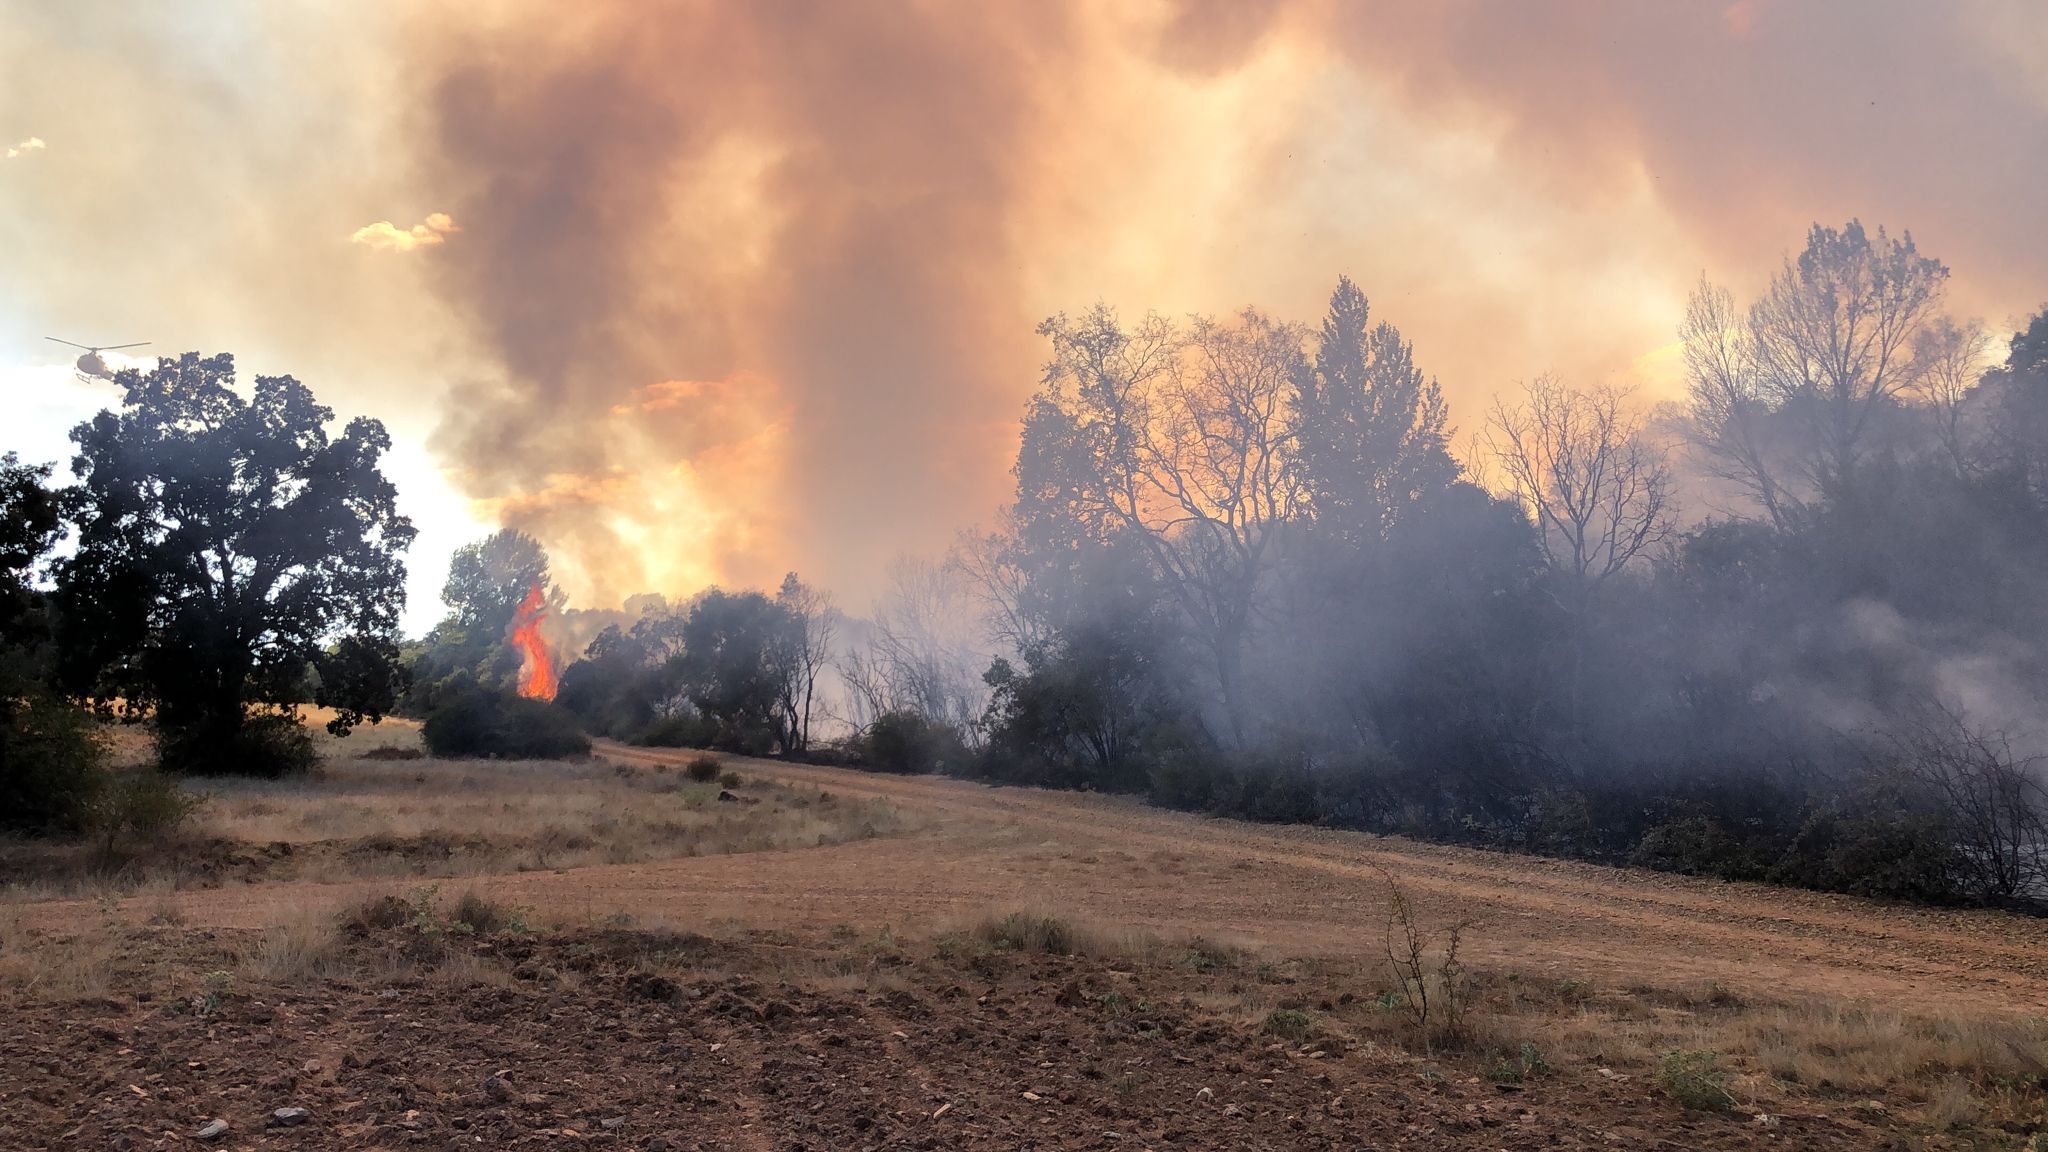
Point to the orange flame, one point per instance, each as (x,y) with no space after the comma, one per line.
(536,664)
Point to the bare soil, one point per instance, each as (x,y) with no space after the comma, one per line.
(622,1039)
(1851,1024)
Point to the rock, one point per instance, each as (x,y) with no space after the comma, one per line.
(725,797)
(498,1087)
(1206,1094)
(214,1130)
(612,1122)
(290,1117)
(659,1144)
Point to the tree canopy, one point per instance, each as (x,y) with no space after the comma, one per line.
(228,546)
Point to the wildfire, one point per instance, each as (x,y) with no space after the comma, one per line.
(536,663)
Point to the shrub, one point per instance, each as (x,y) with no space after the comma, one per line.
(704,769)
(685,730)
(1697,846)
(1896,856)
(1695,1079)
(487,917)
(52,760)
(903,741)
(266,745)
(1024,932)
(144,803)
(478,722)
(730,779)
(1289,1024)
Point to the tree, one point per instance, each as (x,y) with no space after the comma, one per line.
(1826,351)
(1597,490)
(1578,461)
(918,651)
(51,761)
(1370,432)
(734,644)
(225,547)
(1189,443)
(1953,355)
(31,523)
(488,579)
(1729,417)
(807,649)
(2018,399)
(1993,798)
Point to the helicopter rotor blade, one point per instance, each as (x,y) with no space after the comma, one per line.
(53,338)
(118,347)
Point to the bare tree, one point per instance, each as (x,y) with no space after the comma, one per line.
(1728,416)
(988,562)
(1953,358)
(1994,798)
(813,624)
(922,651)
(1578,461)
(1597,490)
(1191,437)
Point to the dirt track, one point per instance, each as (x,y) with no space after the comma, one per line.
(1299,890)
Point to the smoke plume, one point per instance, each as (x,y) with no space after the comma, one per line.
(744,287)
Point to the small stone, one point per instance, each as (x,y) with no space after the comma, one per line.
(499,1088)
(612,1122)
(214,1130)
(1206,1094)
(659,1144)
(290,1117)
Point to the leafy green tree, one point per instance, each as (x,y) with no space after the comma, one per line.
(31,523)
(2018,394)
(228,546)
(733,665)
(488,579)
(1371,432)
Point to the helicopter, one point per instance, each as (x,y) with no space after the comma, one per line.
(90,366)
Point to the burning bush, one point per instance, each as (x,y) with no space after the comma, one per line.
(479,722)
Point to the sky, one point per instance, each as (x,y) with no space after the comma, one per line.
(705,292)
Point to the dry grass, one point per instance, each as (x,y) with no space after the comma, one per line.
(367,815)
(1952,1073)
(1038,931)
(58,968)
(305,946)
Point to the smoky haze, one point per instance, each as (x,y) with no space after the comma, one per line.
(736,288)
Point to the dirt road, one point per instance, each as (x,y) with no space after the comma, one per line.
(1299,890)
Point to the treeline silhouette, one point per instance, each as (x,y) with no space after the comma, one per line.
(1786,629)
(1245,573)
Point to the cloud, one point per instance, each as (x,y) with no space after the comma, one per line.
(32,144)
(386,236)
